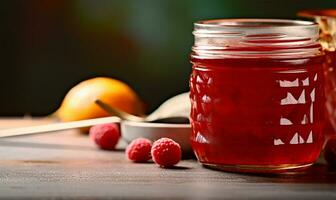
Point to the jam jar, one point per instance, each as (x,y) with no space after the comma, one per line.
(326,20)
(257,94)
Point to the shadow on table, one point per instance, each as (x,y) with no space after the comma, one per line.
(318,173)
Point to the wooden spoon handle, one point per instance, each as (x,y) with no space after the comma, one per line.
(116,112)
(56,126)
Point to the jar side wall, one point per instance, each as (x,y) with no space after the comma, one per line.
(257,116)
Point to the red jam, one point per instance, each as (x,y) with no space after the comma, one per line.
(330,84)
(256,113)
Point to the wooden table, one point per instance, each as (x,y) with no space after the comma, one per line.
(66,165)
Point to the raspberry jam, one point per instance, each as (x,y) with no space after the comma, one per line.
(326,18)
(330,84)
(257,96)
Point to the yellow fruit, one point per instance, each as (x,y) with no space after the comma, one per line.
(79,104)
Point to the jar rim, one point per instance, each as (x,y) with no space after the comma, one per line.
(254,23)
(253,37)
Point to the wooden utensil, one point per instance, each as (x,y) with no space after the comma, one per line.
(174,110)
(59,126)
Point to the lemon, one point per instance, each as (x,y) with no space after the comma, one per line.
(79,102)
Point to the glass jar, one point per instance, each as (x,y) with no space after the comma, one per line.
(327,23)
(257,98)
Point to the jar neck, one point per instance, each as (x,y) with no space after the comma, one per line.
(254,38)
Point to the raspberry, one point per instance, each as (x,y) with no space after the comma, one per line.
(105,136)
(139,150)
(330,152)
(166,152)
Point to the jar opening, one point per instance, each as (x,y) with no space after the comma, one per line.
(255,37)
(255,23)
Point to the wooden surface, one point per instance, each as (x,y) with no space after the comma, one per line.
(66,165)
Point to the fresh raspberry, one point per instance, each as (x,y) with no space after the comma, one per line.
(166,152)
(105,136)
(139,150)
(330,152)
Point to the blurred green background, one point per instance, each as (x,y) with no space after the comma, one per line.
(49,46)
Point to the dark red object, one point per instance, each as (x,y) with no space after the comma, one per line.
(330,152)
(166,152)
(105,136)
(330,82)
(139,150)
(257,111)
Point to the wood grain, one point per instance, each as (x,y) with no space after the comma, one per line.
(66,165)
